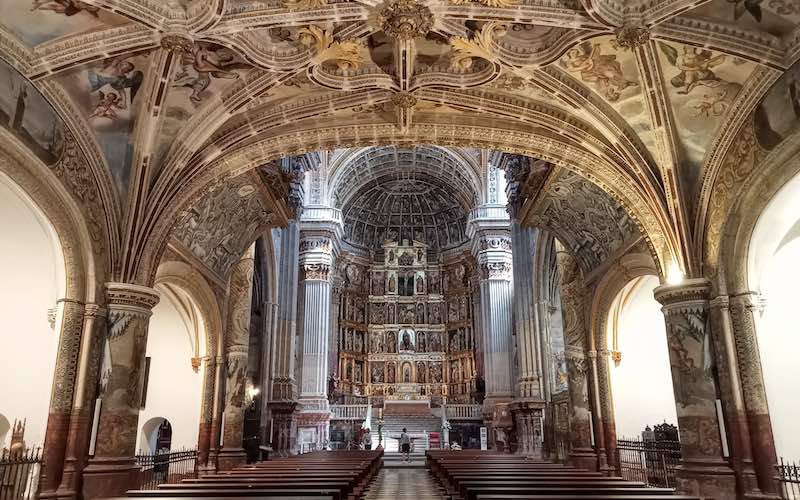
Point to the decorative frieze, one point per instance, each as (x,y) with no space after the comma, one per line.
(319,272)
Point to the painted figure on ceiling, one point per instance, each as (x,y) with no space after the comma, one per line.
(602,70)
(695,67)
(66,7)
(204,62)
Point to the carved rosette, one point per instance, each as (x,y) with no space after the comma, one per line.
(177,42)
(404,100)
(405,20)
(319,272)
(631,37)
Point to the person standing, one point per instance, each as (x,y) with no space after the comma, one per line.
(405,445)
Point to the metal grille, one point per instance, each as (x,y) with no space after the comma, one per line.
(651,462)
(789,479)
(167,467)
(19,474)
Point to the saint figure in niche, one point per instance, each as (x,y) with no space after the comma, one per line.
(455,372)
(391,342)
(406,373)
(421,342)
(421,372)
(390,376)
(420,285)
(392,316)
(406,344)
(392,284)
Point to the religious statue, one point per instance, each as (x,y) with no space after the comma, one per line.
(392,283)
(420,255)
(436,373)
(348,340)
(358,372)
(360,307)
(377,342)
(421,371)
(390,375)
(391,256)
(452,311)
(420,314)
(455,372)
(391,342)
(348,373)
(377,374)
(392,314)
(407,314)
(407,373)
(377,284)
(357,343)
(433,283)
(421,342)
(420,284)
(406,343)
(436,313)
(462,307)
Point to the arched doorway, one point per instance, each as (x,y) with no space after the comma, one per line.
(174,377)
(31,262)
(641,380)
(773,272)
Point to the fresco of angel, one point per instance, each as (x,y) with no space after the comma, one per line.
(206,61)
(66,7)
(602,70)
(695,65)
(116,85)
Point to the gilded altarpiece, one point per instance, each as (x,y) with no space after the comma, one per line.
(406,330)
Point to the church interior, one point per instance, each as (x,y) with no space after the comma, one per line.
(379,249)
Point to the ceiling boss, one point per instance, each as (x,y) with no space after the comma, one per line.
(405,20)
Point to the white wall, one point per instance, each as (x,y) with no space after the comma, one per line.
(774,271)
(174,390)
(642,383)
(31,280)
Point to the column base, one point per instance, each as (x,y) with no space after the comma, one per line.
(584,458)
(705,478)
(229,458)
(109,477)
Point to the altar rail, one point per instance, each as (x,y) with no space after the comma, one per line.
(349,412)
(19,474)
(464,412)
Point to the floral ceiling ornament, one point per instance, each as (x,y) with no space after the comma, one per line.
(177,42)
(405,20)
(480,45)
(630,36)
(346,54)
(304,4)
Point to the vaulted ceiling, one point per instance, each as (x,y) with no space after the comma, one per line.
(164,99)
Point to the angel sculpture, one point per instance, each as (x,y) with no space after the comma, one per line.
(695,66)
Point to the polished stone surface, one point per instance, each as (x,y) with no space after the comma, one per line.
(404,483)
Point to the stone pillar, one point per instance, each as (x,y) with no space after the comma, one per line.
(218,409)
(764,456)
(525,327)
(83,401)
(70,328)
(703,470)
(494,260)
(237,341)
(316,265)
(270,326)
(608,426)
(206,415)
(574,306)
(112,470)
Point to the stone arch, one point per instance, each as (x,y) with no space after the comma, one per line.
(645,206)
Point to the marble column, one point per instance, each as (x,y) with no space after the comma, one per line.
(316,265)
(112,470)
(80,422)
(608,426)
(70,328)
(206,414)
(237,341)
(574,303)
(764,457)
(703,470)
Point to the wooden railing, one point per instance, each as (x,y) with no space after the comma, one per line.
(349,412)
(464,412)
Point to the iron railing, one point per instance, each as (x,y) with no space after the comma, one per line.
(789,479)
(19,474)
(165,467)
(651,462)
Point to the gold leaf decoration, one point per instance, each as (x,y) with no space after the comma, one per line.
(346,54)
(464,50)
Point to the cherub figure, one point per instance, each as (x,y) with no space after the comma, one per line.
(106,106)
(695,67)
(205,62)
(597,68)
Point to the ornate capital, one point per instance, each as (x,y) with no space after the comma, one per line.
(495,243)
(405,20)
(404,100)
(496,270)
(128,303)
(323,245)
(691,295)
(320,272)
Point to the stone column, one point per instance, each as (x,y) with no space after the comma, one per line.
(607,421)
(703,470)
(206,414)
(316,265)
(83,401)
(70,327)
(237,341)
(494,260)
(282,398)
(270,326)
(764,456)
(112,470)
(574,306)
(218,409)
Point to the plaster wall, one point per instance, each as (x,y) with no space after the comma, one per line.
(32,279)
(642,383)
(174,390)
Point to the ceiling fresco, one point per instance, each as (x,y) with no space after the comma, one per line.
(168,97)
